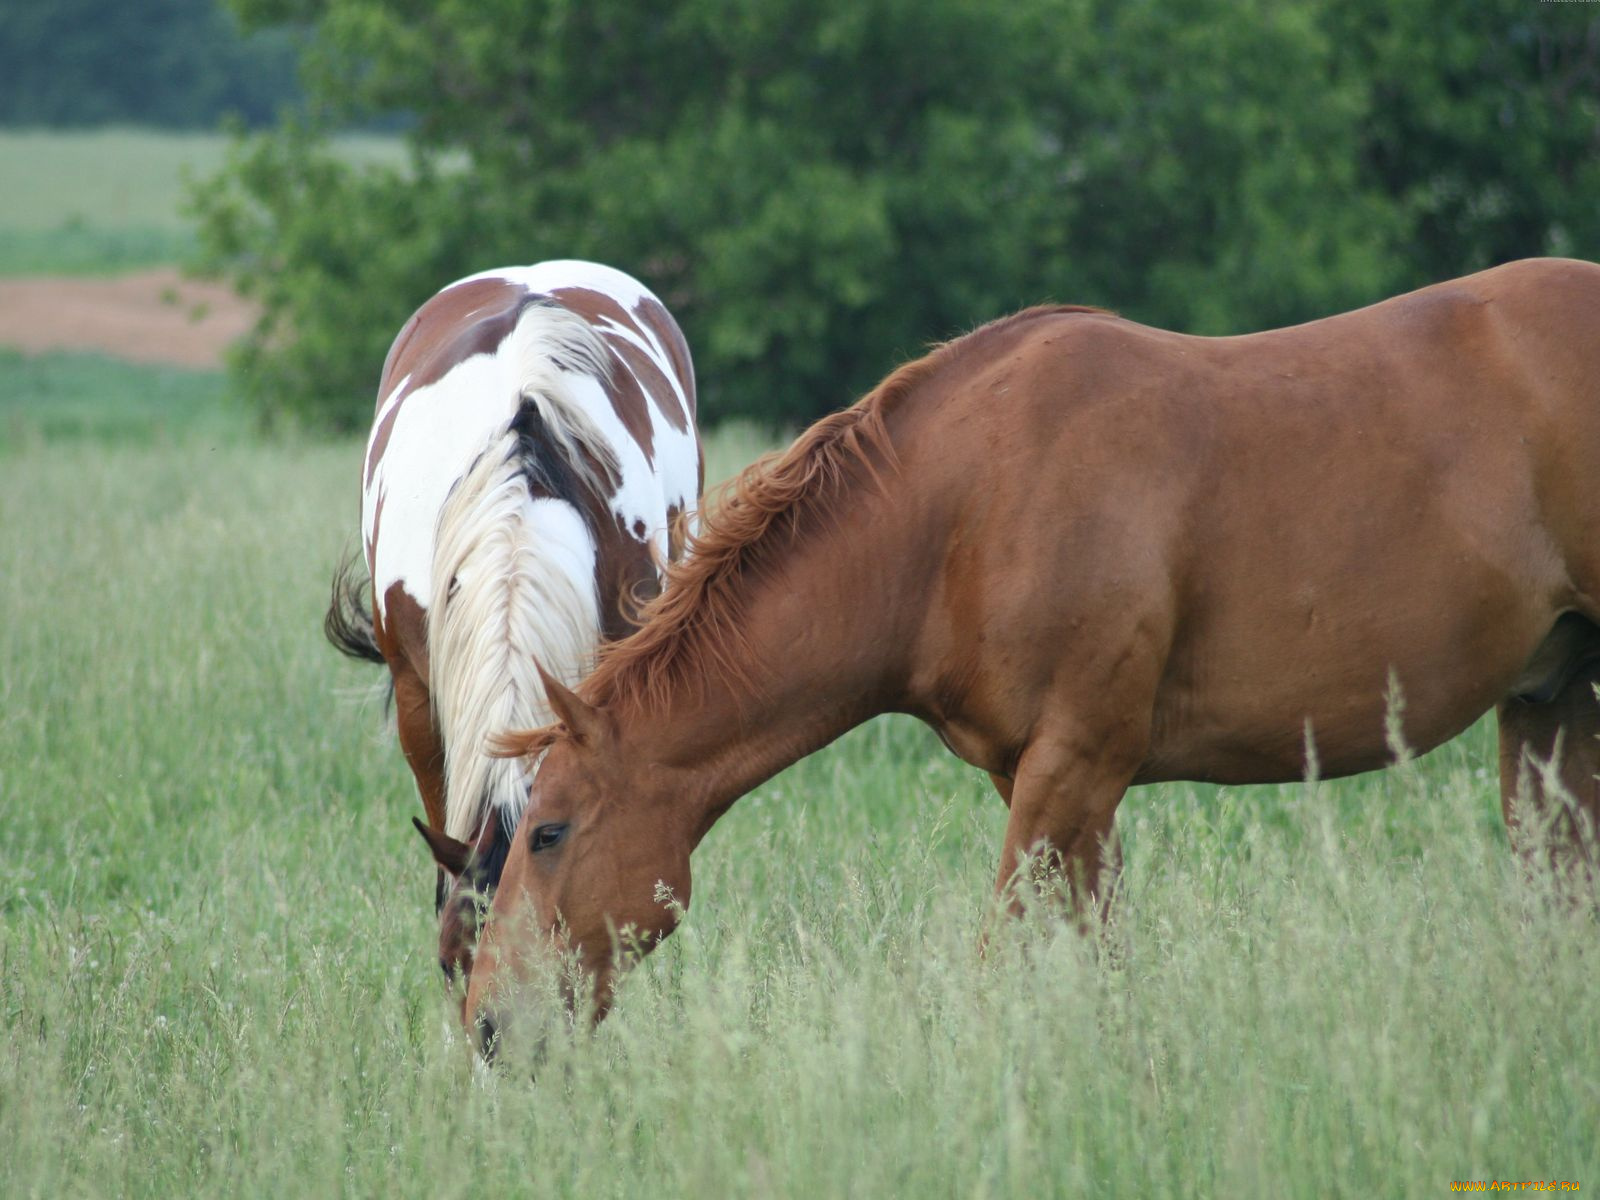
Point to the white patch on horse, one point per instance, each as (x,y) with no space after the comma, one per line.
(677,460)
(572,273)
(640,496)
(437,433)
(386,403)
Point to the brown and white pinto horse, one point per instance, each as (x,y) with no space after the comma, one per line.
(1093,554)
(525,483)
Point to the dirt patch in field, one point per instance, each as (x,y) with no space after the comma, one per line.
(153,316)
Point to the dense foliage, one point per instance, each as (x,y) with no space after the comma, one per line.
(180,64)
(819,187)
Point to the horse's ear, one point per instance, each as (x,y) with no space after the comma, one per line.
(586,724)
(447,852)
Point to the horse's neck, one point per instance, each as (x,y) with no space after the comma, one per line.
(824,636)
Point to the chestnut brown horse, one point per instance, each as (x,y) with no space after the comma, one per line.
(1092,554)
(530,462)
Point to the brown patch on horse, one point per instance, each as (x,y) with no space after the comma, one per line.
(596,308)
(656,385)
(654,314)
(402,634)
(625,570)
(380,443)
(485,310)
(397,348)
(420,740)
(627,394)
(629,401)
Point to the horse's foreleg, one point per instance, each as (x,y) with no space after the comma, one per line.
(1063,809)
(420,742)
(1002,784)
(1549,760)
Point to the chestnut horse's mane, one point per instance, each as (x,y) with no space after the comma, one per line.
(692,630)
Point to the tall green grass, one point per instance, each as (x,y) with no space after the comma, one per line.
(216,940)
(49,397)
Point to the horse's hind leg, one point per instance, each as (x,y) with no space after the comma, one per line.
(1549,763)
(420,741)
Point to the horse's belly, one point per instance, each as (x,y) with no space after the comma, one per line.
(1347,704)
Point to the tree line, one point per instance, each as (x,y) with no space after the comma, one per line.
(818,188)
(178,64)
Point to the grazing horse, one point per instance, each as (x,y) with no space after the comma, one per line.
(1092,554)
(525,484)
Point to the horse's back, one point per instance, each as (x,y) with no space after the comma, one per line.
(1275,525)
(1487,382)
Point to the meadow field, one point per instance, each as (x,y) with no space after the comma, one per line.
(217,962)
(217,970)
(96,201)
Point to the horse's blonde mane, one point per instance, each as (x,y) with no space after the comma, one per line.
(693,629)
(505,594)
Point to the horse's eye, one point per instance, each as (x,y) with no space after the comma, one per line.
(545,836)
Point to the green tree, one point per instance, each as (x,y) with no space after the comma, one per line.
(789,197)
(1482,126)
(819,187)
(1216,156)
(172,63)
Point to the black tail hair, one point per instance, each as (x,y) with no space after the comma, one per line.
(348,624)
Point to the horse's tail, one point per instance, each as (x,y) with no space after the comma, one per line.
(348,622)
(513,568)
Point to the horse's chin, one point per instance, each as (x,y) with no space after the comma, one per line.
(515,1039)
(509,1022)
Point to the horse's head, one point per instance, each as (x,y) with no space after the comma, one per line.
(468,874)
(597,874)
